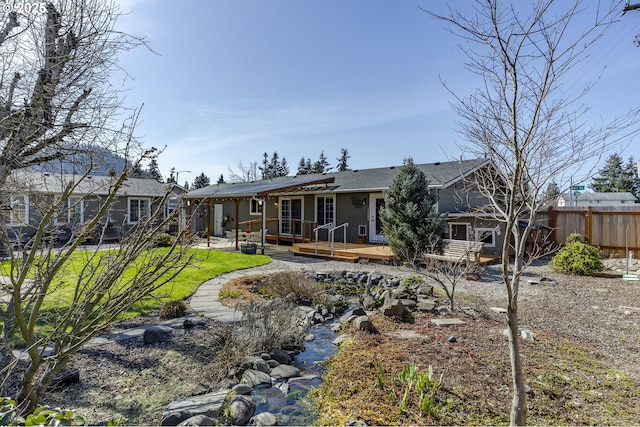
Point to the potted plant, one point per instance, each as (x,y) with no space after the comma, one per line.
(248,248)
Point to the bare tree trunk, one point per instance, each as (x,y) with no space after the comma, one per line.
(518,415)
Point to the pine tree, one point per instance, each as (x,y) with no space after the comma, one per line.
(553,191)
(630,172)
(186,185)
(153,171)
(322,165)
(410,220)
(343,160)
(172,176)
(265,168)
(611,177)
(201,181)
(283,168)
(220,179)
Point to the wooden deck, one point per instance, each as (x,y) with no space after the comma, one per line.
(354,252)
(360,251)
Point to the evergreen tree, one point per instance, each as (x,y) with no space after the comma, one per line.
(201,181)
(410,220)
(553,191)
(283,168)
(631,179)
(343,160)
(321,165)
(138,172)
(153,171)
(611,177)
(186,185)
(220,179)
(172,176)
(304,166)
(265,168)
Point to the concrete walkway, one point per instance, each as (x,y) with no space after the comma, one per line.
(205,301)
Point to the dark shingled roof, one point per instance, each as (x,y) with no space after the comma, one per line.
(439,175)
(53,183)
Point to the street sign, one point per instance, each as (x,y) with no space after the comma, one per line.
(578,187)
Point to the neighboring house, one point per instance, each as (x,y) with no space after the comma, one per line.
(291,208)
(596,199)
(31,193)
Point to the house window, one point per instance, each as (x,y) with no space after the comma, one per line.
(19,212)
(172,204)
(72,212)
(324,209)
(459,230)
(138,209)
(486,236)
(256,207)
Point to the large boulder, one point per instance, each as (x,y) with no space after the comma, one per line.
(364,323)
(241,410)
(254,378)
(209,404)
(285,371)
(158,333)
(263,419)
(396,310)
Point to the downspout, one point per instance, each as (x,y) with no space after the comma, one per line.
(237,202)
(208,223)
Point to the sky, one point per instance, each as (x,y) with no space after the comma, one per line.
(229,80)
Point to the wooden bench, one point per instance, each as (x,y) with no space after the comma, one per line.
(463,252)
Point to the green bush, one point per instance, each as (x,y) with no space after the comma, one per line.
(173,309)
(164,240)
(577,258)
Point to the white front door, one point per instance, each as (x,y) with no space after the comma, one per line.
(291,216)
(217,220)
(376,205)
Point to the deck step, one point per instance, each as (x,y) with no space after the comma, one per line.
(349,258)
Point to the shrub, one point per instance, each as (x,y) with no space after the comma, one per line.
(577,258)
(292,287)
(413,280)
(173,309)
(164,240)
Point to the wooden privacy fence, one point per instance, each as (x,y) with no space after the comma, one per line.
(609,228)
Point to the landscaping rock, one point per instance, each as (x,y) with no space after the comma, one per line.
(255,379)
(154,334)
(207,404)
(281,356)
(285,371)
(397,310)
(364,323)
(242,389)
(263,419)
(199,420)
(241,410)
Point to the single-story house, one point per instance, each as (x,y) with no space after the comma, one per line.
(30,193)
(295,208)
(579,199)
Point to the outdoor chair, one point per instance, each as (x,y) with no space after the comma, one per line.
(231,237)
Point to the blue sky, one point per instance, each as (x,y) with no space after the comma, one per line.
(233,79)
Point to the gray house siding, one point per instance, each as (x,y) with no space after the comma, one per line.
(43,189)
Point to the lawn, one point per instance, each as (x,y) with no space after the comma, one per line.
(206,265)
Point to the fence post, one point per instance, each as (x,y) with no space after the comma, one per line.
(552,224)
(587,224)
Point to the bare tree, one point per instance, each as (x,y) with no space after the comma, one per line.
(56,101)
(55,96)
(109,283)
(523,120)
(244,173)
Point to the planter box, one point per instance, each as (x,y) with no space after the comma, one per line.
(248,248)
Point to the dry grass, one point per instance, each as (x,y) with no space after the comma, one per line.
(569,384)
